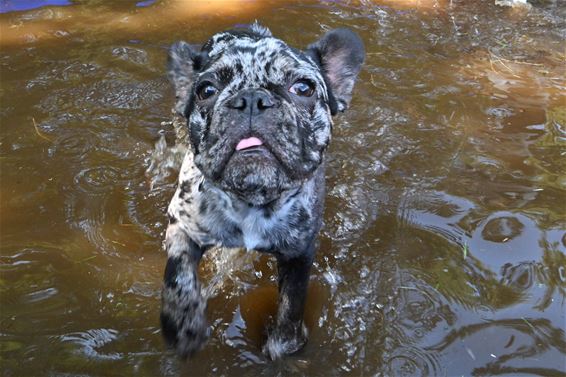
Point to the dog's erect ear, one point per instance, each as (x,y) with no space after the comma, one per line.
(340,53)
(184,62)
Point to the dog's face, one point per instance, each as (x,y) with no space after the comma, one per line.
(258,111)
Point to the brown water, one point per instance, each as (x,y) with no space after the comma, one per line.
(444,246)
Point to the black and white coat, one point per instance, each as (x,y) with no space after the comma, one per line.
(243,84)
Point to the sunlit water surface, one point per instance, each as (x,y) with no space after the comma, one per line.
(443,250)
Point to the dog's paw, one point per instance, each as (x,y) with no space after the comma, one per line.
(193,335)
(280,343)
(186,330)
(183,315)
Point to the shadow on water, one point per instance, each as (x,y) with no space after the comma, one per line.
(443,250)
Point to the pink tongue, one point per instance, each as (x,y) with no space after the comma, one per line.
(248,143)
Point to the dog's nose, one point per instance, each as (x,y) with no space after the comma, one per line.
(252,101)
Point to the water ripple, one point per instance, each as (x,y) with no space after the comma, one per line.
(89,343)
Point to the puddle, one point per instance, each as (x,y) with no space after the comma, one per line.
(444,243)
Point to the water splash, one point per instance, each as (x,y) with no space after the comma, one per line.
(165,161)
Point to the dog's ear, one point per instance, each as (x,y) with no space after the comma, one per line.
(183,64)
(340,53)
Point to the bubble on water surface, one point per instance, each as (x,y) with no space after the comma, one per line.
(502,229)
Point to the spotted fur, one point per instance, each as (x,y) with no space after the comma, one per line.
(269,199)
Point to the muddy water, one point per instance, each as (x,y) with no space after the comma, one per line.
(443,251)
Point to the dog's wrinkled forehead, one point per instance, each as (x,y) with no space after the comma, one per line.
(254,58)
(246,38)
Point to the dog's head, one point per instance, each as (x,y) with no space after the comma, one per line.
(259,111)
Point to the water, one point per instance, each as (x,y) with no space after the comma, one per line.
(443,250)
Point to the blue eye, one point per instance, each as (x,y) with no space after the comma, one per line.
(206,90)
(302,88)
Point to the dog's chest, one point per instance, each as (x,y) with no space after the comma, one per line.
(212,218)
(258,228)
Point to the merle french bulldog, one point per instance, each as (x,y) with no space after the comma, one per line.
(259,119)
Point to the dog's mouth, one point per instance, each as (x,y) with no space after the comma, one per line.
(249,143)
(249,157)
(253,171)
(254,146)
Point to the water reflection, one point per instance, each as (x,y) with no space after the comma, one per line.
(56,23)
(15,6)
(443,251)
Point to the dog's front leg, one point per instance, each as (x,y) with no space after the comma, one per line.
(290,333)
(183,319)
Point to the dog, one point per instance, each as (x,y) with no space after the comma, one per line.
(259,117)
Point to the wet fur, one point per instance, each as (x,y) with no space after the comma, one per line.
(269,200)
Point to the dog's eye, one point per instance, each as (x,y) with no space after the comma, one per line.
(302,88)
(206,90)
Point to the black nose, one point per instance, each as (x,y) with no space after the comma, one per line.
(252,101)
